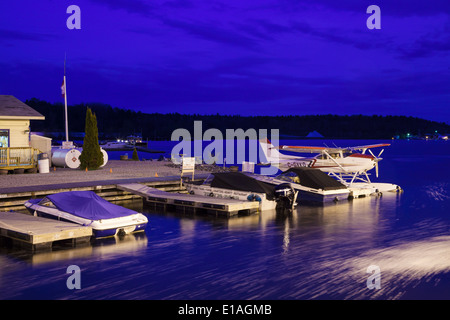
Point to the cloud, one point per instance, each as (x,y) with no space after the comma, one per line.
(273,28)
(401,8)
(264,55)
(426,46)
(213,33)
(234,86)
(268,30)
(332,36)
(179,4)
(130,6)
(14,35)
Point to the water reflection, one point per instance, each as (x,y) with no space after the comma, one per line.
(330,215)
(405,264)
(107,248)
(437,191)
(315,252)
(318,251)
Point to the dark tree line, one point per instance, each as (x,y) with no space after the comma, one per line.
(118,123)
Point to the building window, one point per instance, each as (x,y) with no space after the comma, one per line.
(4,138)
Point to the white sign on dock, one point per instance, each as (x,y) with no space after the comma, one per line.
(188,166)
(248,166)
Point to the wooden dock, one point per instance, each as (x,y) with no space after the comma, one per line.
(187,203)
(13,198)
(35,233)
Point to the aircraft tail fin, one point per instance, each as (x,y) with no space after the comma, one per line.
(271,153)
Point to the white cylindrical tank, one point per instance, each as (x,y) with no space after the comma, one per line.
(105,157)
(66,158)
(44,166)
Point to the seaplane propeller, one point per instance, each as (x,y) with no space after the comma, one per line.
(376,160)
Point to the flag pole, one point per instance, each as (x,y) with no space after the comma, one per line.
(65,100)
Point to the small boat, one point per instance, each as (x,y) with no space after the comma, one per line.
(116,145)
(136,140)
(312,185)
(364,189)
(237,185)
(88,209)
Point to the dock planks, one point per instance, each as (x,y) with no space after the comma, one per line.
(13,198)
(36,233)
(222,206)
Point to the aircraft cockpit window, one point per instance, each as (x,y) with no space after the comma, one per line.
(346,153)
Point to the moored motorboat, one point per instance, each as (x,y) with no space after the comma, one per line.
(312,185)
(88,209)
(237,185)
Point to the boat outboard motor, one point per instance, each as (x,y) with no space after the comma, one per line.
(285,196)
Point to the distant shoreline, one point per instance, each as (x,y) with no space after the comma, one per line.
(114,123)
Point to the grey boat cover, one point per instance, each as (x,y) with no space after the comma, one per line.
(241,182)
(314,178)
(88,205)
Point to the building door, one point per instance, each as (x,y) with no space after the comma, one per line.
(4,138)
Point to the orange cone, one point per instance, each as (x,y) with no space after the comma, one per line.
(110,170)
(86,169)
(156,174)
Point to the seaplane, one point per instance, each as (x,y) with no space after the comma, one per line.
(349,165)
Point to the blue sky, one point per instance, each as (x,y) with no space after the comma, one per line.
(232,57)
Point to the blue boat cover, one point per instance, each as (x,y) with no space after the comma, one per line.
(88,205)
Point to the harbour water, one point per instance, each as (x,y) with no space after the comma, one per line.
(317,252)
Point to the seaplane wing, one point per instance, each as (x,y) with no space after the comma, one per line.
(308,149)
(370,146)
(316,149)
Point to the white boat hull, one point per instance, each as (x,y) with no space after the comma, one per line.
(308,194)
(363,189)
(206,190)
(101,228)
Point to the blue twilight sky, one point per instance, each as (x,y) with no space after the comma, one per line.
(259,57)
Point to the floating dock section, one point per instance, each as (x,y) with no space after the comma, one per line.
(187,203)
(36,233)
(13,198)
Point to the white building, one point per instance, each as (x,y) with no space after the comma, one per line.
(15,119)
(15,149)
